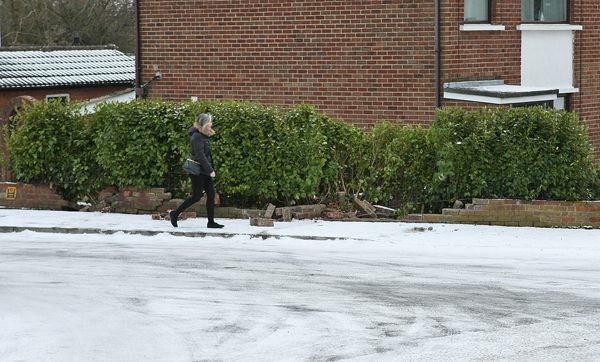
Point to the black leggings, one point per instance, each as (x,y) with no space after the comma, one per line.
(200,183)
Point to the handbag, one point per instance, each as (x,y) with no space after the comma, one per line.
(192,167)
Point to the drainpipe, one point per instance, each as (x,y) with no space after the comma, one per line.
(581,60)
(139,92)
(437,54)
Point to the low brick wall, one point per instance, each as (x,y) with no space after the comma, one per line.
(155,200)
(129,200)
(519,213)
(41,197)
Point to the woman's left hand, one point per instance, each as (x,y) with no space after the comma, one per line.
(213,174)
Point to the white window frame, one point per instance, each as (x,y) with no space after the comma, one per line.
(528,9)
(466,11)
(64,96)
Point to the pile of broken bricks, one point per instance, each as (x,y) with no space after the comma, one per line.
(361,209)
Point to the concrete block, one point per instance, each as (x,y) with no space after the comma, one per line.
(286,214)
(363,207)
(302,215)
(257,221)
(270,211)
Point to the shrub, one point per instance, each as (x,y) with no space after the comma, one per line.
(511,152)
(52,143)
(408,165)
(348,158)
(290,155)
(142,143)
(267,154)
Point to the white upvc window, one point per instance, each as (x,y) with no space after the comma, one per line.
(551,11)
(477,11)
(61,97)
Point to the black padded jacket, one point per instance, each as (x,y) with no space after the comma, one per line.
(201,151)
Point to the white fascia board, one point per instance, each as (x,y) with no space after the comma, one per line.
(498,100)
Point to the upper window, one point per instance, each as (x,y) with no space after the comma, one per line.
(477,11)
(552,11)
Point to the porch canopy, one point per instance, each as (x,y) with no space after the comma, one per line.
(496,92)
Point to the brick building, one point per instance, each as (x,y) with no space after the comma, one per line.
(75,73)
(29,74)
(364,61)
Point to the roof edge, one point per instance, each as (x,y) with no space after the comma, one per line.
(21,48)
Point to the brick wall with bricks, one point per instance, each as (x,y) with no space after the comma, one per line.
(75,94)
(155,200)
(40,197)
(129,200)
(539,213)
(586,64)
(360,61)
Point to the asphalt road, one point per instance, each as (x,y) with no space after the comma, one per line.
(164,298)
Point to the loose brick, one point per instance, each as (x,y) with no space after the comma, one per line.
(257,221)
(302,215)
(333,214)
(270,210)
(189,214)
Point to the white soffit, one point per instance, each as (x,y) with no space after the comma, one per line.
(496,92)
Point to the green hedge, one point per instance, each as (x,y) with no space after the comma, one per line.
(296,155)
(526,152)
(54,144)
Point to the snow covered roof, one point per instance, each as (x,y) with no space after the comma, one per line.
(50,67)
(496,92)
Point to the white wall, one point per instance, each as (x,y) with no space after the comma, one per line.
(547,58)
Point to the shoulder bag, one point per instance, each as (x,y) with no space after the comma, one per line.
(192,167)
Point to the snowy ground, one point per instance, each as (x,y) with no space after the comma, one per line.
(365,292)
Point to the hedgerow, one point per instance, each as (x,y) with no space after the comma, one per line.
(53,143)
(288,155)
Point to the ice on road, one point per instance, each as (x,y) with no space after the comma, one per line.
(380,292)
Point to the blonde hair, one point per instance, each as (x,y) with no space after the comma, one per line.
(202,120)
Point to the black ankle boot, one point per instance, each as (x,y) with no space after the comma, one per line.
(214,225)
(173,215)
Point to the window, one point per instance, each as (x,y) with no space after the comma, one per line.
(477,11)
(60,97)
(552,11)
(560,103)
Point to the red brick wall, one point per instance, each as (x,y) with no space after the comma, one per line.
(586,65)
(361,61)
(75,94)
(508,212)
(482,55)
(28,196)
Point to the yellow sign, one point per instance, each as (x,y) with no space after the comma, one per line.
(11,193)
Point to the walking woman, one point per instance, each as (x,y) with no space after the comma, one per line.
(202,155)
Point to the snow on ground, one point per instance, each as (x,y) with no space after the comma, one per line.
(365,292)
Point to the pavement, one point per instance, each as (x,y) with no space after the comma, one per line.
(71,222)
